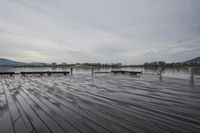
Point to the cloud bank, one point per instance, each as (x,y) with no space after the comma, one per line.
(127,31)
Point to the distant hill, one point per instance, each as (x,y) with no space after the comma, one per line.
(6,62)
(195,60)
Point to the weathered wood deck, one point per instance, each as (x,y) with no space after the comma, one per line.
(103,104)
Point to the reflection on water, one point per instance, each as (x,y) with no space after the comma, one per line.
(182,73)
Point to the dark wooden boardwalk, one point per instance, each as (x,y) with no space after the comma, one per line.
(103,104)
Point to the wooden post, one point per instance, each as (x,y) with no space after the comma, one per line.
(92,71)
(49,73)
(160,73)
(191,73)
(71,71)
(191,76)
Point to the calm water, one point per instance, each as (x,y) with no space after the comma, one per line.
(182,73)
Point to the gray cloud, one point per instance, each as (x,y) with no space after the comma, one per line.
(127,31)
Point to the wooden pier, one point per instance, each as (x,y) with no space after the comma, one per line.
(45,72)
(101,72)
(98,104)
(7,73)
(126,72)
(66,72)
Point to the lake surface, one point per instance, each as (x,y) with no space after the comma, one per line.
(181,73)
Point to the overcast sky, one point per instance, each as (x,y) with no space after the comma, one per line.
(127,31)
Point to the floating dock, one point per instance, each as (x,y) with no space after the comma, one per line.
(7,73)
(66,72)
(45,72)
(101,72)
(126,72)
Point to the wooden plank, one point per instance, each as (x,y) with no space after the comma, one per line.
(71,112)
(5,118)
(164,119)
(160,115)
(55,116)
(64,119)
(65,113)
(80,111)
(30,127)
(64,104)
(46,119)
(25,117)
(103,104)
(16,118)
(71,106)
(106,116)
(38,124)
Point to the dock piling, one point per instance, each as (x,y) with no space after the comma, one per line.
(71,71)
(92,71)
(160,73)
(191,76)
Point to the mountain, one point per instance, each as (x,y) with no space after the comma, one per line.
(6,62)
(195,60)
